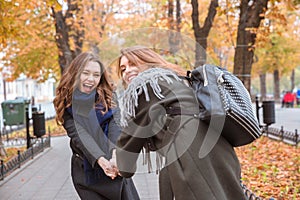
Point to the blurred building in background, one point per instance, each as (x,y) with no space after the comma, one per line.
(24,87)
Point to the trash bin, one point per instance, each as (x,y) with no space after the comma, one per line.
(13,112)
(38,121)
(268,112)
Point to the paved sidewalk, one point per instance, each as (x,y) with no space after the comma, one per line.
(47,177)
(289,118)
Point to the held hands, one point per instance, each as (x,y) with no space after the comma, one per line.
(113,162)
(109,167)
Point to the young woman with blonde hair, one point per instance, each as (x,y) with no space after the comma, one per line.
(159,112)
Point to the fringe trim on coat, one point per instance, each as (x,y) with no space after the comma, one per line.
(129,101)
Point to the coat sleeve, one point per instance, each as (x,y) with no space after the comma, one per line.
(114,131)
(82,140)
(151,121)
(127,153)
(135,135)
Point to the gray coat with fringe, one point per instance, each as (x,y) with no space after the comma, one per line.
(189,167)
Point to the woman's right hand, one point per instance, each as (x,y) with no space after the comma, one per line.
(108,169)
(113,162)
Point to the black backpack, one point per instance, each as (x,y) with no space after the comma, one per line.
(224,103)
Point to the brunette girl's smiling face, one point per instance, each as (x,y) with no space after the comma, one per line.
(90,77)
(130,71)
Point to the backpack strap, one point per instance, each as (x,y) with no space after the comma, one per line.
(170,110)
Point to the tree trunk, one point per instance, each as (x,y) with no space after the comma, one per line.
(201,33)
(251,14)
(178,16)
(276,85)
(4,90)
(2,149)
(170,14)
(69,27)
(171,25)
(174,35)
(62,40)
(77,27)
(293,80)
(263,86)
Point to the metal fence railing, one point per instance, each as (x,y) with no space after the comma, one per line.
(290,137)
(249,194)
(21,158)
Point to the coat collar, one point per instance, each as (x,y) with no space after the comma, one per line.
(129,100)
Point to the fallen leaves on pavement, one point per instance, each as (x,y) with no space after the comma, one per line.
(271,169)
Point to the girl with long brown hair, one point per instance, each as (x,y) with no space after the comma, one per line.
(84,106)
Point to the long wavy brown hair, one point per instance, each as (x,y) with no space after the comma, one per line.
(69,81)
(140,55)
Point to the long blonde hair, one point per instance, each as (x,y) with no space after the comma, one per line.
(140,55)
(68,84)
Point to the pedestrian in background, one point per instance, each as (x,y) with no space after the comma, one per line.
(85,107)
(157,112)
(288,100)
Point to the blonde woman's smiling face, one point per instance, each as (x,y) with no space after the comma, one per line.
(130,71)
(90,77)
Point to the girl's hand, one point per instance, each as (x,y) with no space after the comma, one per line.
(107,167)
(113,162)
